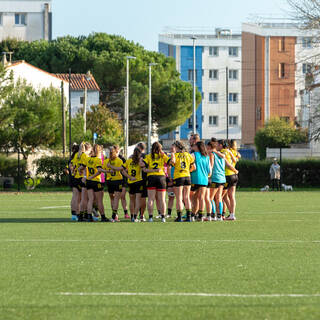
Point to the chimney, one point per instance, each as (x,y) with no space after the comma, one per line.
(46,22)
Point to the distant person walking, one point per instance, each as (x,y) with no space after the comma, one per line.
(275,175)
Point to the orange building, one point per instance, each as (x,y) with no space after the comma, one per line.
(268,75)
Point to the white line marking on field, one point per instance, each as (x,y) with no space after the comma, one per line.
(57,207)
(160,240)
(170,294)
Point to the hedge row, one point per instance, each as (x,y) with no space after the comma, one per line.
(298,173)
(9,167)
(52,170)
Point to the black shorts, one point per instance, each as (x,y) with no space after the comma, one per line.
(114,186)
(76,183)
(216,185)
(195,187)
(136,187)
(144,189)
(232,180)
(96,186)
(156,183)
(169,183)
(180,182)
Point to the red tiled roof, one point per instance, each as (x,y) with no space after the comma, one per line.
(79,81)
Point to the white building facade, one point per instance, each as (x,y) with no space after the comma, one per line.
(218,55)
(27,20)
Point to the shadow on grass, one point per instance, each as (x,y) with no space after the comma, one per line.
(51,220)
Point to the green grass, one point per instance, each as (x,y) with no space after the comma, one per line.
(38,261)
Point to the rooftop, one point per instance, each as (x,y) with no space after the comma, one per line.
(80,81)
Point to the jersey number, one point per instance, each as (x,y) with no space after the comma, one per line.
(183,165)
(113,173)
(155,165)
(91,170)
(133,173)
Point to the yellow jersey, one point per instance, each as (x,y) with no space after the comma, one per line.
(81,161)
(228,171)
(93,163)
(134,170)
(182,166)
(156,163)
(114,175)
(75,164)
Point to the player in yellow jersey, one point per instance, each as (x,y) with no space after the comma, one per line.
(93,182)
(112,167)
(182,162)
(74,183)
(232,180)
(156,179)
(135,181)
(84,151)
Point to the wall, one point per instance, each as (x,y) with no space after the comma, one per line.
(92,99)
(220,63)
(34,28)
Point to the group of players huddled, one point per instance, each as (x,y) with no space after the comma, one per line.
(203,181)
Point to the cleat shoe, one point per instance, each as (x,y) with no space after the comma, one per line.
(104,219)
(229,218)
(143,219)
(158,217)
(220,219)
(184,217)
(163,220)
(116,219)
(80,218)
(188,220)
(136,220)
(126,216)
(207,218)
(214,218)
(178,220)
(74,218)
(90,218)
(95,218)
(150,220)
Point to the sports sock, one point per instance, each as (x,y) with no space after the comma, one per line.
(114,214)
(189,214)
(220,207)
(213,205)
(200,215)
(179,214)
(162,216)
(169,212)
(208,214)
(125,212)
(135,216)
(73,213)
(150,216)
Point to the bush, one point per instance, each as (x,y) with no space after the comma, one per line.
(298,173)
(9,167)
(52,169)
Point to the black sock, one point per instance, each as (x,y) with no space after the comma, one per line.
(159,213)
(114,214)
(162,216)
(125,211)
(208,214)
(200,215)
(179,214)
(150,216)
(73,213)
(169,212)
(135,216)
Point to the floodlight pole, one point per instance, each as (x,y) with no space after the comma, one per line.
(194,117)
(150,107)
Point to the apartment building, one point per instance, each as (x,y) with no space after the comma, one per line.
(27,20)
(218,55)
(275,60)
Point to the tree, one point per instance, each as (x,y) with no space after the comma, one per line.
(30,118)
(105,55)
(106,124)
(277,134)
(6,82)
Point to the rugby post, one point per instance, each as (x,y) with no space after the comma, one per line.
(126,110)
(150,106)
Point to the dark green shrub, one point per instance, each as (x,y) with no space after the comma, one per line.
(298,173)
(9,167)
(53,170)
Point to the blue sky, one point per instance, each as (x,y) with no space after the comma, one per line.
(142,20)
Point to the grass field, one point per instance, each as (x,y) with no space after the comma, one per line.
(263,266)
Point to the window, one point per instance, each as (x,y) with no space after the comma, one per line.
(306,42)
(233,74)
(213,121)
(213,97)
(282,44)
(282,70)
(306,68)
(81,100)
(233,97)
(233,120)
(213,74)
(233,51)
(214,51)
(190,75)
(20,19)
